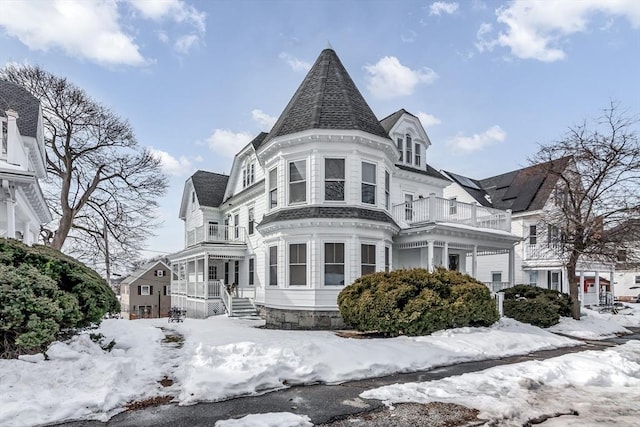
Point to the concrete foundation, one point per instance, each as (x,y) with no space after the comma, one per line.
(277,318)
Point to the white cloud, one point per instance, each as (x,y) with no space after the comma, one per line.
(173,165)
(440,7)
(227,143)
(184,43)
(175,10)
(388,78)
(479,141)
(84,29)
(428,120)
(408,37)
(536,29)
(295,63)
(262,118)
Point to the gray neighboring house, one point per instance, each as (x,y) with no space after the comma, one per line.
(145,293)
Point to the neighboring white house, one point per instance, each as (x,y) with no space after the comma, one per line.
(529,193)
(22,163)
(329,194)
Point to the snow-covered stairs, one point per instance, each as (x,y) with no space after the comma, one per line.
(242,307)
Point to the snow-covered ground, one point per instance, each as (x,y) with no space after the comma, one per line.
(221,358)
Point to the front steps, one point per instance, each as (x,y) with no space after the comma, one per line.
(242,307)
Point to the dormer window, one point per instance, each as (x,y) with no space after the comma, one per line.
(408,147)
(417,147)
(400,148)
(193,200)
(248,175)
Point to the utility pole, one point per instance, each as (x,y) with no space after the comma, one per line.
(107,261)
(159,294)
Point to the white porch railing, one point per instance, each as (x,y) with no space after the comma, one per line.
(227,298)
(433,208)
(214,233)
(247,293)
(542,250)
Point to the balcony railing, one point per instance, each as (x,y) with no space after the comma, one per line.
(438,209)
(205,290)
(542,251)
(214,233)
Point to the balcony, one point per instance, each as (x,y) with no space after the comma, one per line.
(438,209)
(203,290)
(543,251)
(216,234)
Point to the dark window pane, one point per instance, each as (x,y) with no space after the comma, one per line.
(334,275)
(369,173)
(334,190)
(298,192)
(297,171)
(334,168)
(368,194)
(298,275)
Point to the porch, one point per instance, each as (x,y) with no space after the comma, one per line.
(438,209)
(214,233)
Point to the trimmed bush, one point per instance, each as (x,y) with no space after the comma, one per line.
(43,293)
(416,302)
(536,306)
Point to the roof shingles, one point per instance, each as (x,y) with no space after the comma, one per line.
(17,98)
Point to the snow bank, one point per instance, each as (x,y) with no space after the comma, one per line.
(270,419)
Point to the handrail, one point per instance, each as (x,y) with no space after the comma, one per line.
(226,297)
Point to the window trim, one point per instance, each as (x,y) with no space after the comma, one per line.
(417,154)
(252,271)
(250,220)
(324,262)
(493,273)
(375,257)
(408,149)
(387,190)
(148,290)
(400,145)
(273,188)
(343,180)
(306,264)
(533,234)
(363,182)
(290,183)
(272,263)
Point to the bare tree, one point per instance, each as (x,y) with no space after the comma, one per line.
(597,199)
(103,185)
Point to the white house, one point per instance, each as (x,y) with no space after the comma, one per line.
(529,193)
(329,194)
(22,163)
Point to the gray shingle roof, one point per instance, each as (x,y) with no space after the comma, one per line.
(209,187)
(14,97)
(526,189)
(258,140)
(327,99)
(429,171)
(327,212)
(389,121)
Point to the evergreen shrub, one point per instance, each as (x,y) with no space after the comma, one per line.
(44,293)
(536,306)
(416,302)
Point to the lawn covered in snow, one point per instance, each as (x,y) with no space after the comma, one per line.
(221,358)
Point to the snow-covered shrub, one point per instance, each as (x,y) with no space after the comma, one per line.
(536,306)
(43,292)
(416,302)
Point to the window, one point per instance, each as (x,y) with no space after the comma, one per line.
(334,179)
(622,255)
(248,175)
(236,272)
(166,290)
(400,149)
(213,272)
(368,183)
(554,280)
(417,147)
(408,147)
(553,235)
(334,264)
(533,277)
(273,266)
(236,223)
(408,207)
(273,188)
(637,280)
(454,262)
(387,259)
(533,237)
(159,273)
(387,190)
(226,273)
(193,200)
(298,181)
(367,259)
(496,276)
(252,269)
(298,264)
(145,290)
(244,177)
(214,233)
(453,206)
(251,221)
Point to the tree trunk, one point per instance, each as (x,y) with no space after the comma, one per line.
(574,292)
(63,229)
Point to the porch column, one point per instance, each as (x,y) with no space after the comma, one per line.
(11,218)
(474,262)
(611,282)
(581,289)
(26,233)
(430,255)
(424,254)
(206,276)
(597,284)
(512,266)
(445,255)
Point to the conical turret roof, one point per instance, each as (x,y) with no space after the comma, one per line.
(327,99)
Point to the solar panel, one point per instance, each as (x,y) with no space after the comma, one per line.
(464,181)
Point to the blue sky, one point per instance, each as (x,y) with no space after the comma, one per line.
(198,79)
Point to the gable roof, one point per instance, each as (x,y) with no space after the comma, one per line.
(258,140)
(327,99)
(209,187)
(389,122)
(427,171)
(136,274)
(526,189)
(15,97)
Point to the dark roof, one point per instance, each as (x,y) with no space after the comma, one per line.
(429,171)
(209,187)
(327,212)
(526,189)
(258,140)
(327,99)
(15,97)
(390,121)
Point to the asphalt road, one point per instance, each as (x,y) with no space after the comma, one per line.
(321,402)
